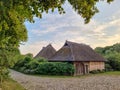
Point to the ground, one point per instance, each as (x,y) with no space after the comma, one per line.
(92,82)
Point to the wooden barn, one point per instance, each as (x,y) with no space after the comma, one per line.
(82,56)
(46,52)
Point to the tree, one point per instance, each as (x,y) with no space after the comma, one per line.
(13,14)
(113,60)
(7,59)
(112,55)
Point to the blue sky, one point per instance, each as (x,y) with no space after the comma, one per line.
(103,30)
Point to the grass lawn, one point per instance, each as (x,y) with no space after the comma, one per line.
(10,84)
(111,73)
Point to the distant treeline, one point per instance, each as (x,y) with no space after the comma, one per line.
(112,55)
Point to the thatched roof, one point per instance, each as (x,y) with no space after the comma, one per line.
(76,52)
(46,52)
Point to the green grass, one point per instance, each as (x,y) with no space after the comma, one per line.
(111,73)
(10,84)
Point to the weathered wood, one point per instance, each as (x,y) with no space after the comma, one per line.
(85,67)
(97,65)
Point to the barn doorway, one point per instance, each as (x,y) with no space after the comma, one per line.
(86,71)
(79,68)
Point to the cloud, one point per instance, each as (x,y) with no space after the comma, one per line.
(103,30)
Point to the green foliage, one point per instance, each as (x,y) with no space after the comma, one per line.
(23,62)
(108,67)
(55,68)
(99,50)
(86,8)
(10,84)
(36,66)
(6,54)
(41,59)
(114,60)
(33,64)
(108,49)
(112,55)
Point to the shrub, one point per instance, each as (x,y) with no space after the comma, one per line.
(33,64)
(114,64)
(108,67)
(29,65)
(22,69)
(113,59)
(41,59)
(55,68)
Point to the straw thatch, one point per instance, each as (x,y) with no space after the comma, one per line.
(46,52)
(76,52)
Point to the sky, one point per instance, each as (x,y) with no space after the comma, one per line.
(103,29)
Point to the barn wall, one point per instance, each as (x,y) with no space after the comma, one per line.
(84,67)
(81,68)
(96,66)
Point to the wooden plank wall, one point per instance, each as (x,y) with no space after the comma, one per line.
(96,66)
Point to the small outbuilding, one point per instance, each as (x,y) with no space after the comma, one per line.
(82,56)
(46,52)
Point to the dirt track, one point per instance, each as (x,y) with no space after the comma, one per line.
(85,83)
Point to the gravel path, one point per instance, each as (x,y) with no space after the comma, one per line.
(85,83)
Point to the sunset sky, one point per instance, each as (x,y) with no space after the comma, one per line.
(103,29)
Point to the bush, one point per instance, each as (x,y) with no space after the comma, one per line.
(33,64)
(22,69)
(22,63)
(108,67)
(54,68)
(114,64)
(40,66)
(41,59)
(113,59)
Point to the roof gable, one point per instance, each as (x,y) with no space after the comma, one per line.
(72,51)
(46,52)
(64,54)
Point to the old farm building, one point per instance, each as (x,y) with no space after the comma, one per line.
(82,56)
(46,52)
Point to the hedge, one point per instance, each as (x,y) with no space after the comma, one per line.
(29,66)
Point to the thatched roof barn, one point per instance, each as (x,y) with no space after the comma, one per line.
(83,57)
(46,52)
(76,52)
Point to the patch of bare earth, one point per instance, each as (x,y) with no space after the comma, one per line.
(88,83)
